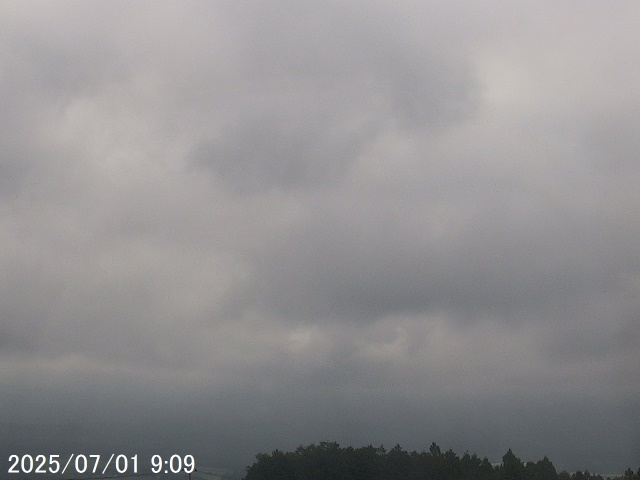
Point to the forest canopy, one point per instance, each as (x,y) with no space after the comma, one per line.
(330,461)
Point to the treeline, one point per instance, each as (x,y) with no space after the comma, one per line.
(330,461)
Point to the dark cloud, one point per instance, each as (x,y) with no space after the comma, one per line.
(316,85)
(296,145)
(230,228)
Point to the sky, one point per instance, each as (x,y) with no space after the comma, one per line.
(232,227)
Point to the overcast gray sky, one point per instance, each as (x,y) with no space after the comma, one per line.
(230,227)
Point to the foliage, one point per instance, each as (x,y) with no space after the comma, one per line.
(330,461)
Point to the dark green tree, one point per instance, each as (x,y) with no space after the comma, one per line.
(397,464)
(564,475)
(512,468)
(322,462)
(277,466)
(546,470)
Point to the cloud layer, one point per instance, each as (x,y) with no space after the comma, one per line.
(233,227)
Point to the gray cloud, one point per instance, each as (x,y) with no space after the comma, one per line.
(238,227)
(318,85)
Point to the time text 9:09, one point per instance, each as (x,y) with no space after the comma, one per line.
(173,464)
